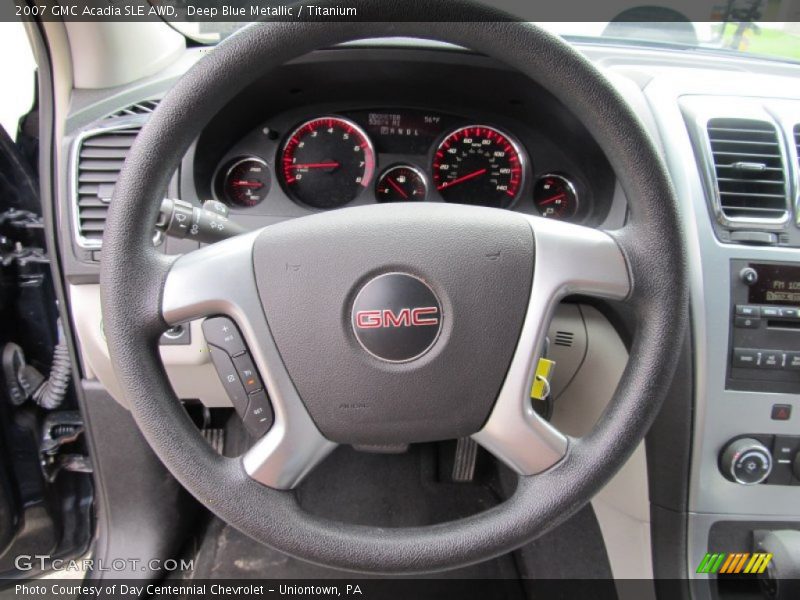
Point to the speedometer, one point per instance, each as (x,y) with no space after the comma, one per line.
(478,165)
(327,162)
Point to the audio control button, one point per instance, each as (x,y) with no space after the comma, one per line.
(222,333)
(770,311)
(790,313)
(748,322)
(747,310)
(749,276)
(230,379)
(247,372)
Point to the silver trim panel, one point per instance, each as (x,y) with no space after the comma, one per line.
(570,259)
(720,414)
(219,280)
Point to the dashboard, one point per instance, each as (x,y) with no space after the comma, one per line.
(353,126)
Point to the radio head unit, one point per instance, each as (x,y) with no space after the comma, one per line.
(764,317)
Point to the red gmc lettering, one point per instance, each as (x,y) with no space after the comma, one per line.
(419,316)
(406,317)
(368,319)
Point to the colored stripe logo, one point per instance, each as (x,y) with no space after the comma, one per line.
(733,563)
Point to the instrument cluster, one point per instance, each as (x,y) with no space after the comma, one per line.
(404,155)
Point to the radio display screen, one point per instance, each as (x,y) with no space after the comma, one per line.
(777,284)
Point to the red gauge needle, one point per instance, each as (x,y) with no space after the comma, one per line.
(321,165)
(552,199)
(400,190)
(250,184)
(466,177)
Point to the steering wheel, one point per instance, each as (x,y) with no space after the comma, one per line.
(395,324)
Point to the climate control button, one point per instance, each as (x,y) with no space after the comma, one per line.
(746,461)
(797,466)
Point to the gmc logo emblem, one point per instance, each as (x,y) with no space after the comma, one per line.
(406,317)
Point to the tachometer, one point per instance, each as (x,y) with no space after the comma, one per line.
(478,165)
(327,162)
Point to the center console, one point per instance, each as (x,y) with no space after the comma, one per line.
(764,356)
(734,160)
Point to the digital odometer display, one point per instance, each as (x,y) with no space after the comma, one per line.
(404,131)
(478,165)
(777,284)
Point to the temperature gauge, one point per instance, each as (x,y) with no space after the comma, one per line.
(402,183)
(555,197)
(247,182)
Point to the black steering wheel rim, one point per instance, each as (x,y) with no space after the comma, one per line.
(133,275)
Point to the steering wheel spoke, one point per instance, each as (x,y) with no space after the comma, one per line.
(218,280)
(569,260)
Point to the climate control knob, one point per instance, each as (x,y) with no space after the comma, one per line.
(746,461)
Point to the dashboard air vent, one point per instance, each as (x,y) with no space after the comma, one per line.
(99,161)
(797,142)
(140,108)
(564,338)
(749,169)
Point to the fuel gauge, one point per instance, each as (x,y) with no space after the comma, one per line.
(555,197)
(402,183)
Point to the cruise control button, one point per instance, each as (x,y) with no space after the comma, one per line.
(222,332)
(230,379)
(745,358)
(746,310)
(247,372)
(748,322)
(259,415)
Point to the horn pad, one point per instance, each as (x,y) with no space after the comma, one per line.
(397,323)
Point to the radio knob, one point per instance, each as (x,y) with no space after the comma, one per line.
(749,276)
(746,461)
